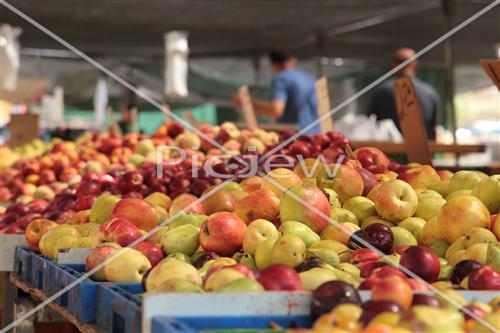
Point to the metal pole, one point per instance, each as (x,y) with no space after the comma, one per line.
(449,10)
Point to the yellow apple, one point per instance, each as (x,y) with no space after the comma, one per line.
(126,265)
(395,200)
(430,232)
(286,178)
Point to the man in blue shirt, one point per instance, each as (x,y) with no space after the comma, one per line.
(292,96)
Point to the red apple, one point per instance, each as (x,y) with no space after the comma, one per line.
(121,231)
(153,252)
(138,211)
(417,285)
(280,278)
(420,177)
(484,278)
(222,233)
(183,201)
(369,180)
(96,257)
(372,159)
(35,230)
(422,261)
(260,204)
(394,289)
(386,271)
(363,255)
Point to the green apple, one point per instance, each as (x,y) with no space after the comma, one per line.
(263,254)
(333,197)
(300,230)
(187,218)
(288,250)
(258,232)
(343,215)
(315,277)
(102,208)
(414,225)
(440,187)
(178,285)
(488,191)
(493,256)
(464,180)
(361,207)
(242,285)
(439,246)
(136,159)
(183,239)
(429,204)
(145,147)
(402,236)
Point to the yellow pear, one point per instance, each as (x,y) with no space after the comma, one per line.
(460,214)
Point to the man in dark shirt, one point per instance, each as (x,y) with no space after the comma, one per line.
(292,96)
(383,103)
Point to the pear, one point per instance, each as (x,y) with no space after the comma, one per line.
(493,256)
(402,236)
(180,256)
(456,252)
(343,215)
(492,318)
(478,235)
(391,259)
(222,278)
(288,250)
(313,278)
(360,206)
(440,187)
(300,230)
(187,218)
(488,191)
(439,246)
(350,268)
(183,239)
(344,276)
(430,232)
(477,252)
(429,204)
(433,320)
(178,285)
(222,261)
(452,294)
(263,254)
(242,285)
(457,193)
(102,208)
(327,250)
(464,180)
(247,260)
(445,271)
(333,197)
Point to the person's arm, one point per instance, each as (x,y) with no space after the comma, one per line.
(274,109)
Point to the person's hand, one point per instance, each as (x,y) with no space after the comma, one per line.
(237,100)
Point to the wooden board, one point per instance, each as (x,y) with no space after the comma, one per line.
(134,120)
(114,125)
(190,119)
(247,108)
(492,68)
(411,122)
(23,128)
(324,105)
(400,148)
(27,90)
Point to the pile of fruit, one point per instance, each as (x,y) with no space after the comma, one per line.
(359,222)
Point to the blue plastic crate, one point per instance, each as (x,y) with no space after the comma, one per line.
(118,310)
(229,324)
(134,288)
(39,272)
(23,261)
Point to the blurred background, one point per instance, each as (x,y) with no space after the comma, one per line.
(348,41)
